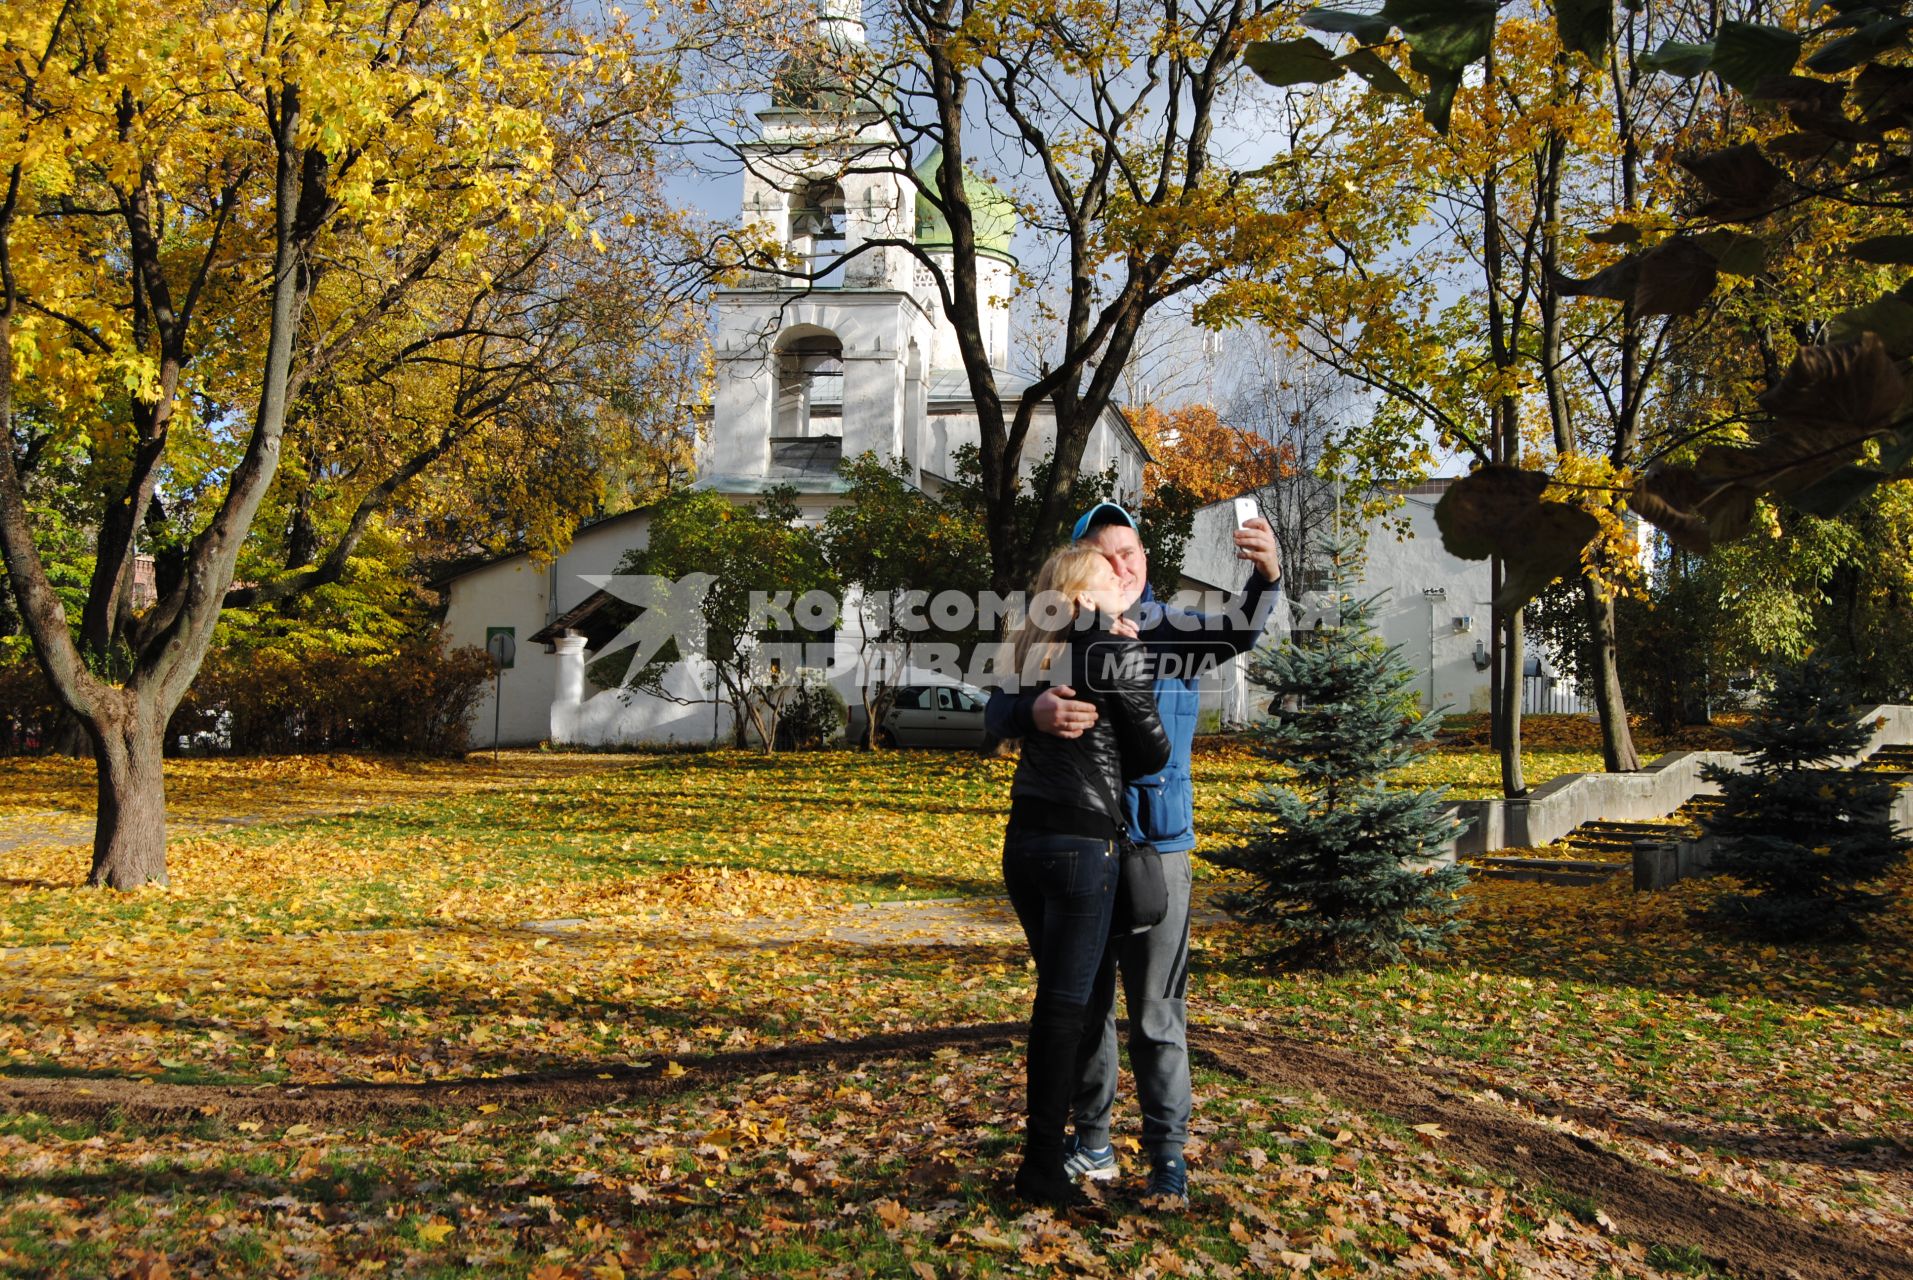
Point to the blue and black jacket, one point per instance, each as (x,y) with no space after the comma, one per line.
(1161,805)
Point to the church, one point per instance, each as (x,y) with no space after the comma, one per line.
(847,353)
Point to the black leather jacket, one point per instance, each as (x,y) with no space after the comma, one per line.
(1127,741)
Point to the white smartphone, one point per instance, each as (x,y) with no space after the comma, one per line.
(1245,511)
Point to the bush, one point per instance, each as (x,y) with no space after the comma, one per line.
(814,713)
(417,699)
(1800,836)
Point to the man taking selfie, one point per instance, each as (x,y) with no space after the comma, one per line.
(1154,964)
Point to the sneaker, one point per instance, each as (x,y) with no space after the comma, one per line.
(1098,1164)
(1168,1179)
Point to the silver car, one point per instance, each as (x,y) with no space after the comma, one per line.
(934,715)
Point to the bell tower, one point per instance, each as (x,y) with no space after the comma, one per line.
(822,350)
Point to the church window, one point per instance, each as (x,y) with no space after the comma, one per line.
(810,387)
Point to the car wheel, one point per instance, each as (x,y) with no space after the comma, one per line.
(886,739)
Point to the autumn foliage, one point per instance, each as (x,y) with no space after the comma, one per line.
(1193,450)
(639,1003)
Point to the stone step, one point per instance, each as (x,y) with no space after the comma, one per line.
(1894,759)
(1645,830)
(1617,839)
(1548,870)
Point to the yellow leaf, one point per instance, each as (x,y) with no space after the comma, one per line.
(434,1232)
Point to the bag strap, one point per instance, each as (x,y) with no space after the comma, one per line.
(1118,814)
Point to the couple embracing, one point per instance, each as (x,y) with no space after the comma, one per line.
(1105,757)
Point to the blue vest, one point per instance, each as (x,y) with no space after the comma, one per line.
(1162,806)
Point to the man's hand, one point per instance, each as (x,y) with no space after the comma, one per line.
(1124,626)
(1057,713)
(1255,542)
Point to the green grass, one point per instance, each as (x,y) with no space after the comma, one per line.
(826,1182)
(387,946)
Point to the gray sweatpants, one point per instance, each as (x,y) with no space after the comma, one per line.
(1155,973)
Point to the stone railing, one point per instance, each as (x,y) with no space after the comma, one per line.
(1555,808)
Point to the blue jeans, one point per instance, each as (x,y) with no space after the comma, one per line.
(1064,891)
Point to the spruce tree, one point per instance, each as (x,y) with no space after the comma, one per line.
(1338,856)
(1801,836)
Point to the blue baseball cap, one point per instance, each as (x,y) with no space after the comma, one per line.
(1099,515)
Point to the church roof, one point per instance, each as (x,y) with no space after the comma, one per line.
(949,386)
(992,213)
(952,386)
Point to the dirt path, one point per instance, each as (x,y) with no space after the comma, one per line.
(1739,1237)
(31,830)
(594,1084)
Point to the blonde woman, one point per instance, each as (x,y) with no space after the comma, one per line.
(1060,858)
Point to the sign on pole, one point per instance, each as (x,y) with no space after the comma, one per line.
(504,651)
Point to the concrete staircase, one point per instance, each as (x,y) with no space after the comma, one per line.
(1892,759)
(1607,805)
(1602,848)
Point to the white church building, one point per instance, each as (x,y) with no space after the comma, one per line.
(861,357)
(808,372)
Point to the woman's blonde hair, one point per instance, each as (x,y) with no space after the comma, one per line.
(1050,608)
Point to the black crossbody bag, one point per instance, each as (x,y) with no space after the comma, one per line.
(1142,891)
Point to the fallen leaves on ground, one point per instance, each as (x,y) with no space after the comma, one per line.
(897,1168)
(656,908)
(204,790)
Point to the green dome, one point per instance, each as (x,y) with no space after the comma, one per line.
(992,213)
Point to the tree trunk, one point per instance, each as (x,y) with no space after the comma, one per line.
(129,836)
(1617,741)
(1513,781)
(1497,715)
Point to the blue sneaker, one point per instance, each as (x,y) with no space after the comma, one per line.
(1098,1164)
(1168,1179)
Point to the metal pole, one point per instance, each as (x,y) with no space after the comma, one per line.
(498,703)
(1431,654)
(1432,595)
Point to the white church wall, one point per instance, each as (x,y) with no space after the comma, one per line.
(741,399)
(511,594)
(630,717)
(796,149)
(947,430)
(1401,567)
(517,594)
(873,397)
(995,285)
(874,329)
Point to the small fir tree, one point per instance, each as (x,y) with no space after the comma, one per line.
(1340,858)
(1800,836)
